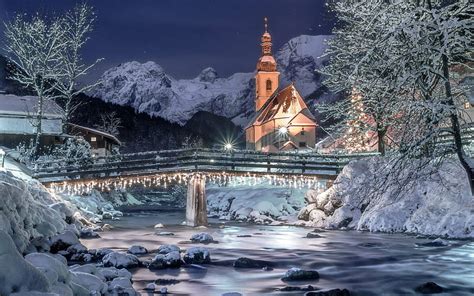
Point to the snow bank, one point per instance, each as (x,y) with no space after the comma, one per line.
(93,207)
(255,204)
(441,205)
(27,210)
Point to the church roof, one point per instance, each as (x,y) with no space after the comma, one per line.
(285,104)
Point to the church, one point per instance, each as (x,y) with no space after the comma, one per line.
(282,121)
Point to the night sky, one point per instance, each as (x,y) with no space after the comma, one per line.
(185,36)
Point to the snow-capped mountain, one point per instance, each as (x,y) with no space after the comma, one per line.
(147,88)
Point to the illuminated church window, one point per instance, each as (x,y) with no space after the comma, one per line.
(269,84)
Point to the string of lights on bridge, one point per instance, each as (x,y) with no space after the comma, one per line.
(165,180)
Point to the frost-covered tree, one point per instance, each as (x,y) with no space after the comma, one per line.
(77,25)
(109,123)
(33,46)
(353,69)
(398,56)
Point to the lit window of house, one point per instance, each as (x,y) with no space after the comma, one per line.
(93,139)
(467,105)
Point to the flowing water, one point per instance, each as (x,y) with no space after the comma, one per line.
(364,263)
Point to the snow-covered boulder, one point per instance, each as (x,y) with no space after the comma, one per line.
(88,268)
(49,263)
(88,232)
(63,241)
(197,255)
(260,204)
(89,281)
(137,250)
(25,211)
(92,207)
(298,274)
(172,259)
(120,260)
(112,272)
(202,237)
(165,249)
(121,286)
(17,274)
(439,204)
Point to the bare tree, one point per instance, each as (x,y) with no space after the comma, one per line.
(33,47)
(77,25)
(109,123)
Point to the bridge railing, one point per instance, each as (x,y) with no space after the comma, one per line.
(198,159)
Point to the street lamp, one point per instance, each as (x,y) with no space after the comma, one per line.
(228,147)
(2,157)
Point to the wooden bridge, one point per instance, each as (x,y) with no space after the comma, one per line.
(235,162)
(192,166)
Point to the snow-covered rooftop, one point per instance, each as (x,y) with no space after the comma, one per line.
(24,105)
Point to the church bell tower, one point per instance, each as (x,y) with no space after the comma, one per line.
(267,75)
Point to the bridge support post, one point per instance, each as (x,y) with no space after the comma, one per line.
(196,203)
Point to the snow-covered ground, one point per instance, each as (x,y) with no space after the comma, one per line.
(440,206)
(46,227)
(259,204)
(147,88)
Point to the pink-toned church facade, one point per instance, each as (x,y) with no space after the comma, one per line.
(282,121)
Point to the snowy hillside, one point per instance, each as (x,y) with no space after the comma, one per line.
(147,88)
(440,206)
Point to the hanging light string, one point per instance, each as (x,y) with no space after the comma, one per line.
(165,180)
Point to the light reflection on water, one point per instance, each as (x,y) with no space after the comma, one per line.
(365,263)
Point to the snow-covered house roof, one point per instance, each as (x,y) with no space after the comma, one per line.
(16,113)
(94,131)
(27,105)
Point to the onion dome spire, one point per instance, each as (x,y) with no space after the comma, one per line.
(266,61)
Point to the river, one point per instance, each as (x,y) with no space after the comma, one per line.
(364,263)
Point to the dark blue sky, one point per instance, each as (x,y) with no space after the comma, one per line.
(185,36)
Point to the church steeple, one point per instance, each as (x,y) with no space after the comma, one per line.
(267,75)
(266,61)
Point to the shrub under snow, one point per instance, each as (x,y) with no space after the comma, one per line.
(439,205)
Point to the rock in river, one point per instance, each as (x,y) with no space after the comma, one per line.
(429,288)
(333,292)
(244,262)
(137,250)
(120,260)
(172,259)
(297,274)
(202,237)
(197,255)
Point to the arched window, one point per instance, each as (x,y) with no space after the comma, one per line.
(269,84)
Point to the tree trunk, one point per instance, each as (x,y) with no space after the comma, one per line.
(65,121)
(463,158)
(39,124)
(381,140)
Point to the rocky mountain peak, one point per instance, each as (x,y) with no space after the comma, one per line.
(208,75)
(147,88)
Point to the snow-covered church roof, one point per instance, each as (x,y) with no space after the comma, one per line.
(27,105)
